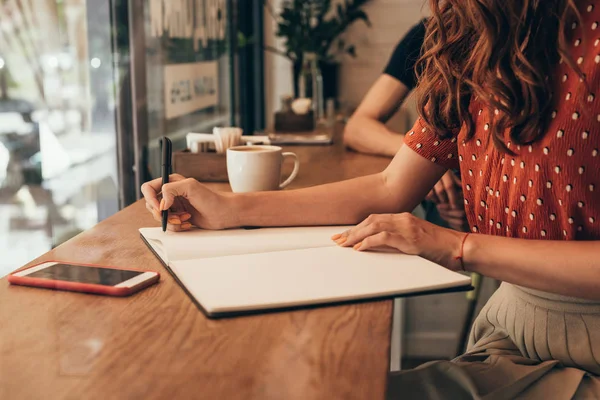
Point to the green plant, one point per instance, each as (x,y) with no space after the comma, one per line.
(314,26)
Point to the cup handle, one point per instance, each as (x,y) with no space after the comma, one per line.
(294,172)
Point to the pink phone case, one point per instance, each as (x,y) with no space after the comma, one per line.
(81,287)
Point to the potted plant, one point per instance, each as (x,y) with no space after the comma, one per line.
(316,26)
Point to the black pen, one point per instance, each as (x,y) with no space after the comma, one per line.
(166,149)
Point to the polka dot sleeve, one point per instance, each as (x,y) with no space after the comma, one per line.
(428,145)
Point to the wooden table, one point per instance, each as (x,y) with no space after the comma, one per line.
(157,344)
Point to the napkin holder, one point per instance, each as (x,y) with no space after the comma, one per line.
(204,167)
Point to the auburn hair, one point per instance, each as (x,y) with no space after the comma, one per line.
(503,52)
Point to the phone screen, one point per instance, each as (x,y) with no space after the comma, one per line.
(81,274)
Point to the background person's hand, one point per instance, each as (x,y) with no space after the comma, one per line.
(407,234)
(189,203)
(456,219)
(448,197)
(448,190)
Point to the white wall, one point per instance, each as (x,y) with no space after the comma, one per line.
(391,20)
(278,69)
(433,323)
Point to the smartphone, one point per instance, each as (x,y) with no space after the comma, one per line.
(111,281)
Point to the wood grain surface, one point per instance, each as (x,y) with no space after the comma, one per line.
(158,345)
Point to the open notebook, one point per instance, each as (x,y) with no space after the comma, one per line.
(251,270)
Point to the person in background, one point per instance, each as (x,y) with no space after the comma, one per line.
(366,131)
(510,94)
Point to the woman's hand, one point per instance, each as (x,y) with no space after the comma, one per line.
(189,203)
(407,234)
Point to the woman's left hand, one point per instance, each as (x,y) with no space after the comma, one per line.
(407,234)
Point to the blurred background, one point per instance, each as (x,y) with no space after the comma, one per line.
(82,103)
(58,159)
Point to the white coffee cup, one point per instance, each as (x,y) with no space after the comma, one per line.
(258,168)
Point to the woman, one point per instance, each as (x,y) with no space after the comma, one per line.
(509,93)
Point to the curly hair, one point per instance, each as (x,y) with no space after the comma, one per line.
(503,52)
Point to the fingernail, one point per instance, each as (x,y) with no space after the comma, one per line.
(336,237)
(162,204)
(174,221)
(341,240)
(186,216)
(357,245)
(186,225)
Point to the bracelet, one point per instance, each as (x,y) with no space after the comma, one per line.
(462,249)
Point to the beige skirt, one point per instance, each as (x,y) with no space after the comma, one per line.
(525,344)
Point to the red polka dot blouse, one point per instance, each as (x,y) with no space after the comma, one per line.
(551,189)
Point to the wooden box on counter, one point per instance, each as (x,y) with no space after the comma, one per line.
(204,167)
(288,121)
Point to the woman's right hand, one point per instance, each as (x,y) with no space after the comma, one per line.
(190,203)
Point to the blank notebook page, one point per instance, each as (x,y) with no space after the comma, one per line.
(308,276)
(198,243)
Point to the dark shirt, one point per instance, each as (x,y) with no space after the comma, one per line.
(402,62)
